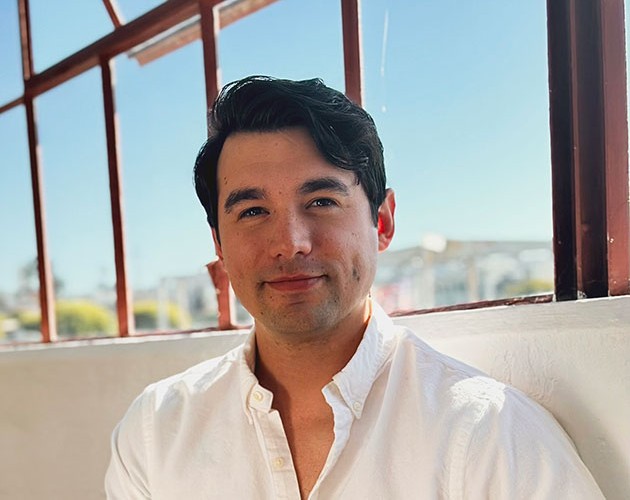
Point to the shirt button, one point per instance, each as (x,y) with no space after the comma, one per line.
(278,463)
(357,406)
(258,396)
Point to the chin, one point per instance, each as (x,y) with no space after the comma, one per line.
(302,321)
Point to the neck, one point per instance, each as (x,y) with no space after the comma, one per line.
(289,367)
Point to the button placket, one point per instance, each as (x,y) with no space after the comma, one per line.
(276,448)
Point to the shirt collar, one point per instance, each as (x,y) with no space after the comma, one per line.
(356,378)
(354,381)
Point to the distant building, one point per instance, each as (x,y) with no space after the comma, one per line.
(442,272)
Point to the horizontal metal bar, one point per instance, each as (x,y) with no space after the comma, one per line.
(514,301)
(12,104)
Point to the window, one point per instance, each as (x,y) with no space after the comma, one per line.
(76,201)
(456,101)
(161,111)
(460,97)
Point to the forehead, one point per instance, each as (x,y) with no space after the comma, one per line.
(287,155)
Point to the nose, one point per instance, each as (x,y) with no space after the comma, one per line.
(290,236)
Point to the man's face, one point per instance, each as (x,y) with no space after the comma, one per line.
(297,237)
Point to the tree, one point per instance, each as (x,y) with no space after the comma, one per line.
(75,318)
(29,320)
(146,315)
(80,318)
(528,287)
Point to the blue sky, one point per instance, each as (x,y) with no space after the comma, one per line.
(458,90)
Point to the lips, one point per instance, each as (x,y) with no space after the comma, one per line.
(296,283)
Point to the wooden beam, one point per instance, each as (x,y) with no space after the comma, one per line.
(352,57)
(226,303)
(229,13)
(12,104)
(209,31)
(616,146)
(590,158)
(483,304)
(124,303)
(589,142)
(46,289)
(561,110)
(25,38)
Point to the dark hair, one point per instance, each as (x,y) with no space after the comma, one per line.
(343,132)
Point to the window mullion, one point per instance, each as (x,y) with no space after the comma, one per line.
(123,293)
(589,143)
(616,146)
(350,13)
(46,290)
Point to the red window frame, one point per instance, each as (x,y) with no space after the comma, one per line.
(588,126)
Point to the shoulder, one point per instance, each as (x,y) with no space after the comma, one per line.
(192,383)
(444,377)
(174,395)
(501,440)
(156,416)
(476,398)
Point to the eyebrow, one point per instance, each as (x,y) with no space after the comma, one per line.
(239,195)
(324,184)
(311,186)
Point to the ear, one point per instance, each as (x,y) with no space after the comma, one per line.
(386,220)
(217,244)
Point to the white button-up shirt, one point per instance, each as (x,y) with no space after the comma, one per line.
(409,422)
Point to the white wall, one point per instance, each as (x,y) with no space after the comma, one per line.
(573,358)
(60,403)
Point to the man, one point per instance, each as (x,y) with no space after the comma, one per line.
(327,398)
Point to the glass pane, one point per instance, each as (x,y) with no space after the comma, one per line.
(11,85)
(459,93)
(293,39)
(162,118)
(74,159)
(59,29)
(130,9)
(19,283)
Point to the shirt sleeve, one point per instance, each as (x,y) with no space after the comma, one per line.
(517,450)
(126,477)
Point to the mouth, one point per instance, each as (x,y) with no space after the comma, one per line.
(296,283)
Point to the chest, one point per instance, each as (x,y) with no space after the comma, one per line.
(269,458)
(310,436)
(220,451)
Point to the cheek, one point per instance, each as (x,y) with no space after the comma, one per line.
(364,258)
(237,260)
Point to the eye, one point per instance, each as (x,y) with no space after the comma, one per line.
(251,212)
(323,202)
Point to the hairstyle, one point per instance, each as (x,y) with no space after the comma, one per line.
(343,132)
